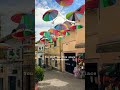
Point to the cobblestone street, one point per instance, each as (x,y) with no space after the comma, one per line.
(55,80)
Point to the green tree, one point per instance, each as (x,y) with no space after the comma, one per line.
(39,73)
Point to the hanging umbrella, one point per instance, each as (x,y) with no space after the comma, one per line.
(81,10)
(50,15)
(4,46)
(45,34)
(22,34)
(65,2)
(29,21)
(65,32)
(73,16)
(73,27)
(44,40)
(60,27)
(59,38)
(17,17)
(79,26)
(92,4)
(67,23)
(42,33)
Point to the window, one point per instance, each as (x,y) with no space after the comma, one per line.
(39,48)
(55,44)
(55,61)
(1,69)
(50,61)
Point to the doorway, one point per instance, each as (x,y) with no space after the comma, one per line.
(91,76)
(11,82)
(28,82)
(1,83)
(46,62)
(69,63)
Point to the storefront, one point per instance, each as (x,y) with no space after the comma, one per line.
(69,62)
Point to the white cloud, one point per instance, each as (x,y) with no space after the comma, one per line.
(42,25)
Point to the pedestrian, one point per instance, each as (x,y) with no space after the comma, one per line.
(77,71)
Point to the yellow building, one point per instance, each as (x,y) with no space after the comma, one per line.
(52,55)
(71,45)
(102,37)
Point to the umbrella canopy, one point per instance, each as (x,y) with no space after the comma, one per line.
(21,26)
(67,23)
(79,26)
(22,34)
(92,4)
(73,16)
(60,27)
(65,32)
(44,40)
(42,33)
(65,2)
(4,46)
(50,15)
(102,3)
(29,21)
(17,17)
(73,27)
(81,10)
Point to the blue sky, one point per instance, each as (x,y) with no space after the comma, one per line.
(41,6)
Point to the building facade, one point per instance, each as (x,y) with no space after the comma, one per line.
(39,54)
(102,40)
(17,65)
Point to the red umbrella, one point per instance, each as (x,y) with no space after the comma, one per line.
(21,34)
(73,27)
(17,17)
(81,10)
(92,4)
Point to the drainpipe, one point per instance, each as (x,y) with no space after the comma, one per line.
(60,57)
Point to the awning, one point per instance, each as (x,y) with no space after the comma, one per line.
(80,45)
(113,46)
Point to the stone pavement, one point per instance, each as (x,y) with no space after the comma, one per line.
(55,80)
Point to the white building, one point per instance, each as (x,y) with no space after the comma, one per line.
(39,53)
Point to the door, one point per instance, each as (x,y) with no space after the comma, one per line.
(91,76)
(1,83)
(70,63)
(47,62)
(40,60)
(11,82)
(28,82)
